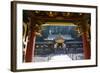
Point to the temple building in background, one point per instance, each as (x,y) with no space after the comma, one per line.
(56,36)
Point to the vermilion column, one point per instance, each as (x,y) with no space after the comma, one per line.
(30,48)
(31,43)
(86,46)
(84,30)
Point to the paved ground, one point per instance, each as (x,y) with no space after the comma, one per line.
(61,57)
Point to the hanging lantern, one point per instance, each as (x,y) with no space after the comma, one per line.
(51,14)
(66,14)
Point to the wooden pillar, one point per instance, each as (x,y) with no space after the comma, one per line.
(30,48)
(30,44)
(34,27)
(86,46)
(86,43)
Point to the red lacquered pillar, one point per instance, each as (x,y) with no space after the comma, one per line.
(30,48)
(31,43)
(86,46)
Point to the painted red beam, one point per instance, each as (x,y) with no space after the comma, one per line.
(55,18)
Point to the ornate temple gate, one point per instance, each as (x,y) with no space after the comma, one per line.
(35,26)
